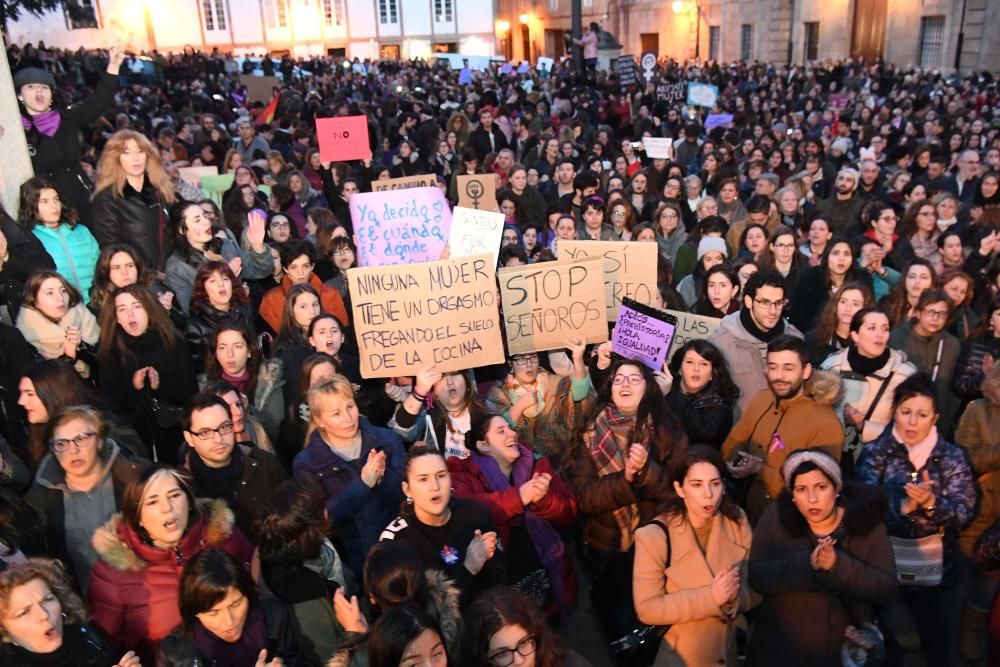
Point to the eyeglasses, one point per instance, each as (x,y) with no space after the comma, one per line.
(280,224)
(783,246)
(627,380)
(888,218)
(343,252)
(525,361)
(225,428)
(79,441)
(505,656)
(936,314)
(767,304)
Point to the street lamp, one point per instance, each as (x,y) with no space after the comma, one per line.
(678,7)
(524,19)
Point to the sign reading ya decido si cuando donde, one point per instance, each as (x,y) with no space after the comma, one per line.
(400,226)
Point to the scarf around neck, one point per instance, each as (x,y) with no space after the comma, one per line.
(218,482)
(46,123)
(866,365)
(613,431)
(764,336)
(238,381)
(548,545)
(244,650)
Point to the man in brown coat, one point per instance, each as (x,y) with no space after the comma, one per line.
(794,412)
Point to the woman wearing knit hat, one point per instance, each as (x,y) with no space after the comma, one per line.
(712,251)
(53,132)
(822,560)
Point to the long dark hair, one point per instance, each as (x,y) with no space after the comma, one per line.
(395,631)
(394,574)
(826,324)
(498,608)
(293,524)
(213,371)
(984,328)
(114,339)
(722,382)
(31,192)
(102,287)
(666,434)
(206,581)
(131,504)
(675,507)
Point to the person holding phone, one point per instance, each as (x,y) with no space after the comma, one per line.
(689,565)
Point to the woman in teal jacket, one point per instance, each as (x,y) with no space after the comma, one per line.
(72,247)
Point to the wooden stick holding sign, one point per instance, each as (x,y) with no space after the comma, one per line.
(411,316)
(629,269)
(478,191)
(544,303)
(643,334)
(343,138)
(421,181)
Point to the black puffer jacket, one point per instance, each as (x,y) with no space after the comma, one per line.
(204,320)
(83,646)
(969,371)
(25,255)
(706,416)
(138,218)
(58,157)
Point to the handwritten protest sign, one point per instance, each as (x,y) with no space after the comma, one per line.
(343,138)
(671,93)
(475,232)
(691,327)
(422,181)
(400,226)
(545,303)
(718,120)
(545,64)
(702,95)
(643,334)
(659,147)
(628,73)
(411,316)
(478,191)
(260,88)
(193,175)
(629,269)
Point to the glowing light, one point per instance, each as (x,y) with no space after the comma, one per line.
(677,6)
(503,26)
(525,18)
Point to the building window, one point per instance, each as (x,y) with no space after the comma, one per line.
(931,41)
(444,11)
(713,42)
(553,5)
(277,13)
(333,12)
(812,40)
(588,3)
(388,11)
(83,15)
(215,14)
(746,41)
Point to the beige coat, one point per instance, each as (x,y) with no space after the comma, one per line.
(701,633)
(978,434)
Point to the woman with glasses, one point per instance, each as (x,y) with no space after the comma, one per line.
(79,485)
(44,624)
(928,346)
(879,220)
(781,255)
(619,469)
(541,405)
(503,628)
(280,230)
(142,550)
(919,226)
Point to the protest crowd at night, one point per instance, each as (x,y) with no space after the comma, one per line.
(341,362)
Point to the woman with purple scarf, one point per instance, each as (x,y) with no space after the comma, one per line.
(53,132)
(528,501)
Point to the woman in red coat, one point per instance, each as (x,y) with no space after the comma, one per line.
(132,596)
(528,502)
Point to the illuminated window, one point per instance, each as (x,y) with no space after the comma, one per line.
(215,14)
(83,15)
(388,11)
(931,41)
(333,12)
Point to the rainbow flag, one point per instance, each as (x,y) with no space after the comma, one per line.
(266,114)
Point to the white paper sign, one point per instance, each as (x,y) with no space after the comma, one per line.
(659,147)
(474,232)
(545,64)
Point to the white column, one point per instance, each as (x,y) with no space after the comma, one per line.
(13,146)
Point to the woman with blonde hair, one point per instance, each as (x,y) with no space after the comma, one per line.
(359,466)
(59,636)
(131,197)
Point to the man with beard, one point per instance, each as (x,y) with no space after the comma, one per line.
(842,208)
(794,412)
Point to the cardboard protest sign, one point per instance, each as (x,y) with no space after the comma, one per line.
(400,226)
(478,191)
(629,269)
(659,147)
(474,232)
(193,175)
(260,88)
(544,303)
(691,327)
(343,138)
(422,181)
(702,95)
(411,316)
(643,334)
(718,120)
(216,182)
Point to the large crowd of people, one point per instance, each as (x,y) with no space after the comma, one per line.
(194,471)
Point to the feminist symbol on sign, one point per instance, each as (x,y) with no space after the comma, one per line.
(475,191)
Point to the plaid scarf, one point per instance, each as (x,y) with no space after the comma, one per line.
(613,434)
